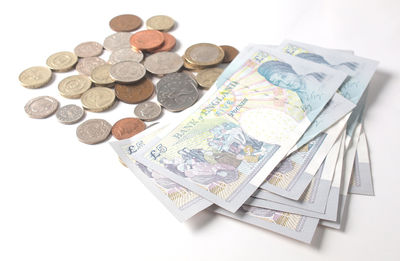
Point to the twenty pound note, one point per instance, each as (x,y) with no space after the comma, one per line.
(224,148)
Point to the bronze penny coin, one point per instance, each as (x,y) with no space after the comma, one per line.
(147,39)
(125,23)
(136,92)
(169,43)
(127,127)
(230,53)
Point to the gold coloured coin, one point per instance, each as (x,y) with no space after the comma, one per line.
(160,23)
(101,75)
(206,78)
(98,99)
(35,77)
(204,54)
(192,67)
(74,86)
(62,61)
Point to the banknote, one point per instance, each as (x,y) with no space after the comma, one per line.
(298,227)
(181,202)
(226,146)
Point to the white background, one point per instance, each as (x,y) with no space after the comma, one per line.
(64,200)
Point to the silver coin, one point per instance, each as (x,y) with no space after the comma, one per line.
(163,63)
(177,91)
(125,54)
(117,41)
(127,72)
(147,111)
(70,114)
(41,107)
(93,131)
(88,49)
(85,66)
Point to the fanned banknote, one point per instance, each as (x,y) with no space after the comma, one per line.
(224,148)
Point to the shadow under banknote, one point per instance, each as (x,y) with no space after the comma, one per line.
(376,87)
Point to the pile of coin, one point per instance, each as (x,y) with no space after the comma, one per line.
(134,60)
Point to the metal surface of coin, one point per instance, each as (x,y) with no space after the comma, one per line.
(86,65)
(127,72)
(207,77)
(98,99)
(147,39)
(117,41)
(62,61)
(127,127)
(148,111)
(41,107)
(230,53)
(192,67)
(126,54)
(88,49)
(35,77)
(163,63)
(136,92)
(70,114)
(169,43)
(177,91)
(101,75)
(160,23)
(125,23)
(74,86)
(204,54)
(93,131)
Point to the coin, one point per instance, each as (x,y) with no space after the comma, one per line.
(126,54)
(93,131)
(147,39)
(125,23)
(204,54)
(98,99)
(88,49)
(41,107)
(163,63)
(74,86)
(127,72)
(117,41)
(35,77)
(127,127)
(160,23)
(169,43)
(206,78)
(70,114)
(86,65)
(101,75)
(148,111)
(192,67)
(177,91)
(230,53)
(136,92)
(62,61)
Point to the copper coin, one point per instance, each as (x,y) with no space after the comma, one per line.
(147,39)
(230,53)
(169,43)
(127,127)
(125,23)
(136,92)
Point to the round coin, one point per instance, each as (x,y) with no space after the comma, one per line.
(192,67)
(74,86)
(204,54)
(147,39)
(86,65)
(148,111)
(169,43)
(62,61)
(98,99)
(163,63)
(126,54)
(70,114)
(127,127)
(88,49)
(136,92)
(230,53)
(101,75)
(127,72)
(41,107)
(125,23)
(35,77)
(177,91)
(93,131)
(117,41)
(160,23)
(206,78)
